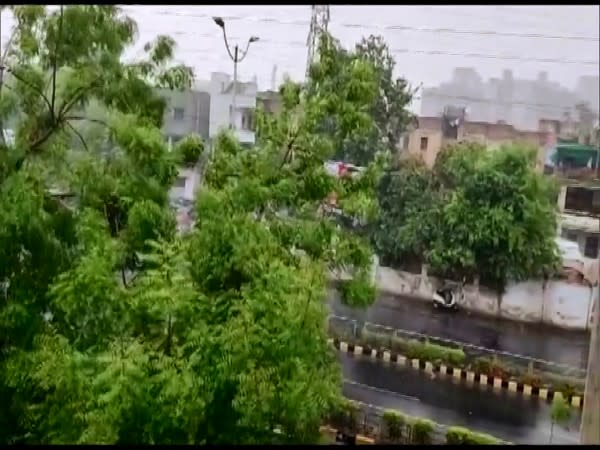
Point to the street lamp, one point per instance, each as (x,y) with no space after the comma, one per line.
(237,56)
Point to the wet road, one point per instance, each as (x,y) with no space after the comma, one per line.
(550,344)
(503,414)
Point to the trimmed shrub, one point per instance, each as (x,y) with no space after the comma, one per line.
(412,348)
(394,423)
(464,436)
(189,149)
(345,416)
(421,432)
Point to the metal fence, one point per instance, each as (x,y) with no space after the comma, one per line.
(380,336)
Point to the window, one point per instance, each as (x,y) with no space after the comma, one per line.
(569,235)
(424,143)
(178,113)
(591,247)
(582,199)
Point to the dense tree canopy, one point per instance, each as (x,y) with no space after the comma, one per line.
(386,109)
(114,329)
(486,213)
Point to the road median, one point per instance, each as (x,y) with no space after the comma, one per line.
(452,362)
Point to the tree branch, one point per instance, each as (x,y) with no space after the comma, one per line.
(78,134)
(54,59)
(45,136)
(35,88)
(101,122)
(79,93)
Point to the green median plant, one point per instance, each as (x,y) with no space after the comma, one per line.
(421,432)
(395,424)
(435,353)
(464,436)
(414,349)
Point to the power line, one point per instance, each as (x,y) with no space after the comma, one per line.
(448,53)
(306,23)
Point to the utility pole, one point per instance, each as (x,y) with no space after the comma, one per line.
(236,57)
(319,21)
(590,421)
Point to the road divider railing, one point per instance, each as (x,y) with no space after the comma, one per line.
(375,425)
(396,346)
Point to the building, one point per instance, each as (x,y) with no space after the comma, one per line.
(221,100)
(269,101)
(431,134)
(206,109)
(187,112)
(579,208)
(519,102)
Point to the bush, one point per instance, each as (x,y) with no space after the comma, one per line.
(376,340)
(464,436)
(189,149)
(394,423)
(426,351)
(491,368)
(421,432)
(357,291)
(345,416)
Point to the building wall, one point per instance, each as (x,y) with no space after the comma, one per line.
(187,112)
(185,186)
(427,139)
(221,103)
(557,302)
(270,101)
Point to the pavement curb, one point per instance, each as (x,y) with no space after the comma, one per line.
(456,372)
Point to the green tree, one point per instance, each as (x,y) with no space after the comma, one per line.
(390,108)
(386,104)
(67,185)
(478,213)
(190,149)
(220,336)
(499,218)
(409,200)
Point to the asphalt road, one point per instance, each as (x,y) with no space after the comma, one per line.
(536,341)
(503,414)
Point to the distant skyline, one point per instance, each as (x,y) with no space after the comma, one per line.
(519,102)
(428,41)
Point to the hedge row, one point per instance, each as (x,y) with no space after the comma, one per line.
(414,349)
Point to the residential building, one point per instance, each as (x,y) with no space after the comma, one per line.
(221,103)
(187,112)
(579,208)
(206,109)
(269,101)
(431,134)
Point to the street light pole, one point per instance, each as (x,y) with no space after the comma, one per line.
(236,57)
